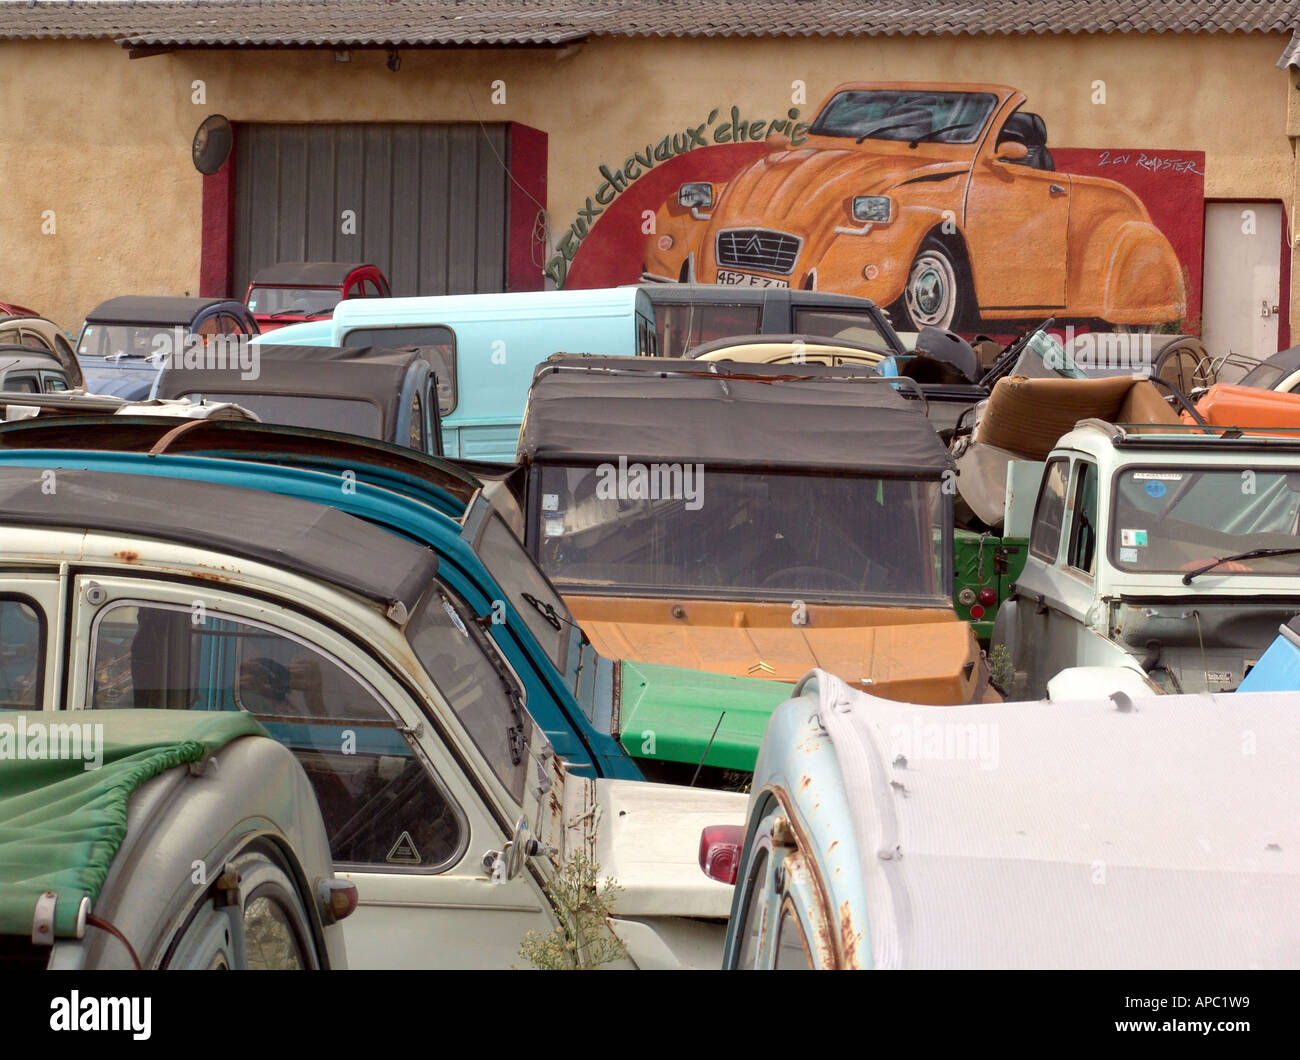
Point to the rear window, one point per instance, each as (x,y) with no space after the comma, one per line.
(441,341)
(840,324)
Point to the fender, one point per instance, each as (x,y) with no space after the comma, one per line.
(1144,284)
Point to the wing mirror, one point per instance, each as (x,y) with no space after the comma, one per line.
(1011,151)
(505,864)
(778,142)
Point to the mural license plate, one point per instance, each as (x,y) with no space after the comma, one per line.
(744,279)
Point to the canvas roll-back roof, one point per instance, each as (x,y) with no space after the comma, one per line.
(143,309)
(737,415)
(369,373)
(1089,836)
(298,536)
(301,447)
(308,273)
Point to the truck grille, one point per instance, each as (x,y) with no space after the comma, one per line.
(758,248)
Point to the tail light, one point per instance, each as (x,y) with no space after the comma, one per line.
(988,597)
(720,848)
(337,899)
(977,612)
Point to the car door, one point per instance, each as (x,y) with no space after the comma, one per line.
(1015,228)
(410,818)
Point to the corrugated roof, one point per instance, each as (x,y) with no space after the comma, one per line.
(162,23)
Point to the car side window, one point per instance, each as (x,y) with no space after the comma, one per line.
(381,804)
(440,342)
(1083,520)
(54,382)
(1049,512)
(22,654)
(21,383)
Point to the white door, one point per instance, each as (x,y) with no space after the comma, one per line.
(406,821)
(1242,281)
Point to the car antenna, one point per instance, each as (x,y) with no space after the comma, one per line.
(707,747)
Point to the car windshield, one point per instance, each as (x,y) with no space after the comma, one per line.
(126,340)
(531,594)
(739,533)
(1169,521)
(293,301)
(1265,376)
(940,117)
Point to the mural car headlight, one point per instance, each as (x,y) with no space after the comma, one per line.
(874,208)
(695,195)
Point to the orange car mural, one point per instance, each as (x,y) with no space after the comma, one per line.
(938,201)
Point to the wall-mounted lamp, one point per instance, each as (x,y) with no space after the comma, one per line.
(394,61)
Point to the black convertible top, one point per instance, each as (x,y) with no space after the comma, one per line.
(307,273)
(300,536)
(143,309)
(591,409)
(362,373)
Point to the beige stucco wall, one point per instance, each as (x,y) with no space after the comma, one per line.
(104,141)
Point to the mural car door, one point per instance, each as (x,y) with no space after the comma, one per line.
(1017,214)
(407,820)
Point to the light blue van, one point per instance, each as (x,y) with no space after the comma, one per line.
(489,345)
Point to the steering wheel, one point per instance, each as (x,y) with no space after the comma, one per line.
(787,574)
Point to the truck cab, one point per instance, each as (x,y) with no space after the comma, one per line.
(1164,555)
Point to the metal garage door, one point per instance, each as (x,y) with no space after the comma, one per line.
(429,201)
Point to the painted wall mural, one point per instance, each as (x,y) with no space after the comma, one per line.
(942,202)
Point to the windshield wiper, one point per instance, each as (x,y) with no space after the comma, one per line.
(936,132)
(886,128)
(546,610)
(1248,554)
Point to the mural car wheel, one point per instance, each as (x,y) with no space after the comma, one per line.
(933,293)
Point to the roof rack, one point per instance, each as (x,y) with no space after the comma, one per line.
(1201,436)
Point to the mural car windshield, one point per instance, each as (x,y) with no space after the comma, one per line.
(124,340)
(749,533)
(939,117)
(293,301)
(1183,520)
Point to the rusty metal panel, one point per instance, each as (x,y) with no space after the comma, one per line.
(428,202)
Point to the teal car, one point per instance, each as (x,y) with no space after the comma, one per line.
(487,346)
(588,706)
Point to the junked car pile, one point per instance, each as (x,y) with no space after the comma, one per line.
(805,636)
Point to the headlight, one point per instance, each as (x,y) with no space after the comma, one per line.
(877,208)
(694,195)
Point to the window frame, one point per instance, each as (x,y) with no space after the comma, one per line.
(457,854)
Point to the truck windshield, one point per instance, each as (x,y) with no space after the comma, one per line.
(648,531)
(1171,521)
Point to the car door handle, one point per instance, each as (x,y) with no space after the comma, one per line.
(1056,189)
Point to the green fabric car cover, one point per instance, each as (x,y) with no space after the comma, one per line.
(61,823)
